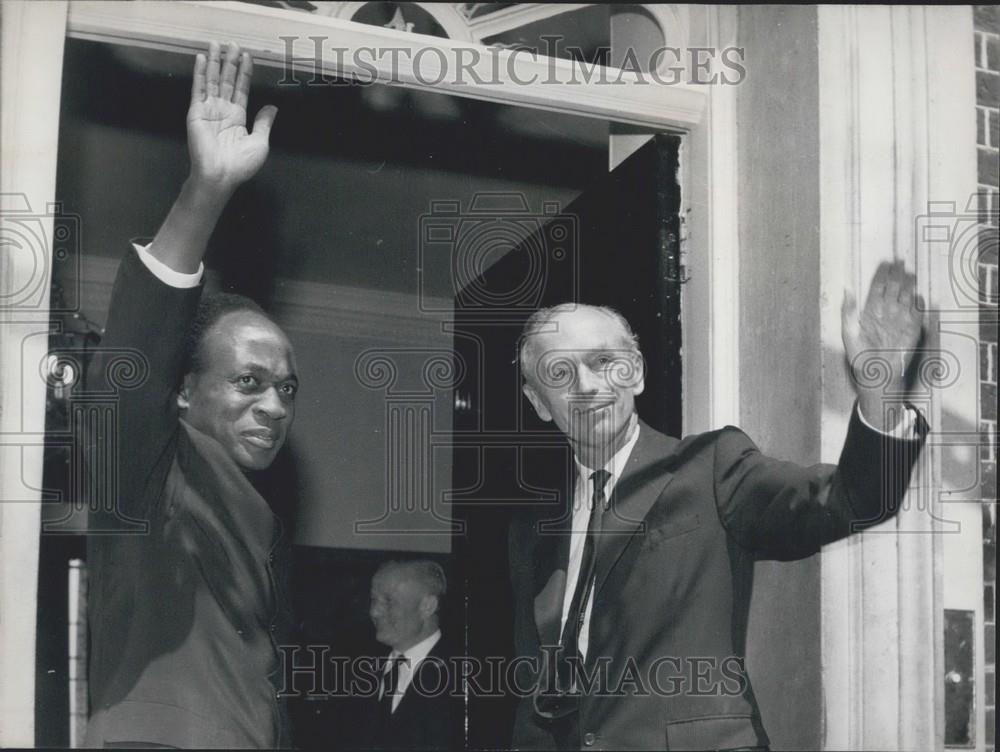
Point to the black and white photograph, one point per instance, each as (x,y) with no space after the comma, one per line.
(498,376)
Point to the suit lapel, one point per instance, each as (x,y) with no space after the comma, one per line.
(217,478)
(427,677)
(552,534)
(646,475)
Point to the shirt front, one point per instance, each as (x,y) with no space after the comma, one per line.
(412,659)
(582,497)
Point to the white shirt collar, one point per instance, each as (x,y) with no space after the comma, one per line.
(615,466)
(419,651)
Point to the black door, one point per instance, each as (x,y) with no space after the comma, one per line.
(616,245)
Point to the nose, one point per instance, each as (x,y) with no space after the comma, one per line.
(587,382)
(271,405)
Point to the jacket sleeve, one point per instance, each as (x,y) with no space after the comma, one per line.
(135,373)
(781,510)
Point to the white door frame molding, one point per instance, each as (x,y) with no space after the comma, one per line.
(516,16)
(710,240)
(31,55)
(896,132)
(447,15)
(417,61)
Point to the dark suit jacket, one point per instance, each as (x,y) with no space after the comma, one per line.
(428,716)
(184,618)
(673,580)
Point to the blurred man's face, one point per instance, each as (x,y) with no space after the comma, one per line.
(584,376)
(244,396)
(401,609)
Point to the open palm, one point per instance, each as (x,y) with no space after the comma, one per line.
(223,151)
(889,327)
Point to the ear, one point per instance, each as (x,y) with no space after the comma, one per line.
(184,393)
(428,605)
(640,382)
(536,402)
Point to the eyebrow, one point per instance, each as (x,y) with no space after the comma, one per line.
(606,347)
(257,368)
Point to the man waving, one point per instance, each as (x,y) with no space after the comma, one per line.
(185,615)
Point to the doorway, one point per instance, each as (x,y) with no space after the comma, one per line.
(327,237)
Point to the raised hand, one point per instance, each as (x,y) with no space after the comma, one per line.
(885,335)
(223,153)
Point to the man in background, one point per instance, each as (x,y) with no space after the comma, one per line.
(416,705)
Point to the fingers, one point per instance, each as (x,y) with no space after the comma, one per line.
(907,288)
(229,61)
(894,281)
(225,74)
(849,306)
(264,120)
(849,324)
(198,80)
(901,288)
(877,290)
(242,91)
(909,296)
(898,303)
(212,73)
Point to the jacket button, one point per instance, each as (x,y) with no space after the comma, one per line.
(589,738)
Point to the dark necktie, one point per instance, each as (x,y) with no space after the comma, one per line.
(585,581)
(390,680)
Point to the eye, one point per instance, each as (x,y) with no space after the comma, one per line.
(558,375)
(289,389)
(246,381)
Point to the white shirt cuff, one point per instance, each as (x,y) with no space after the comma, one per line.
(164,273)
(905,428)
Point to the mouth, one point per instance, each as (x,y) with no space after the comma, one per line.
(594,407)
(262,438)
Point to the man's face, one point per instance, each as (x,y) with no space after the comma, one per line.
(584,376)
(400,609)
(244,396)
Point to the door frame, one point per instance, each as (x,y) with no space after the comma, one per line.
(704,116)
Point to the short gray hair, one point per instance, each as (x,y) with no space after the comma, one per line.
(428,573)
(537,322)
